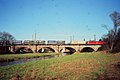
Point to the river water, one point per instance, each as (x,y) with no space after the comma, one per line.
(20,61)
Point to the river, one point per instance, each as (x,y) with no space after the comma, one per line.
(20,61)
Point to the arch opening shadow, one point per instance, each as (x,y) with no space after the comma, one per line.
(46,50)
(68,51)
(100,49)
(87,49)
(24,50)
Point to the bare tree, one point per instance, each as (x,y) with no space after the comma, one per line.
(117,42)
(115,16)
(5,41)
(5,36)
(111,37)
(108,38)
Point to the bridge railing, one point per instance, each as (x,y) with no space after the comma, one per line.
(30,42)
(9,43)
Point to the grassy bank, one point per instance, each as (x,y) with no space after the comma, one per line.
(85,66)
(12,57)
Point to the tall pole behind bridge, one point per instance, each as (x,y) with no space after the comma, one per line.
(32,37)
(94,37)
(35,37)
(35,43)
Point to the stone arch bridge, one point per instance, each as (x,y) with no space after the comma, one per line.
(65,48)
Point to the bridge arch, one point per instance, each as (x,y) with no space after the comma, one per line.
(87,49)
(46,50)
(68,50)
(23,50)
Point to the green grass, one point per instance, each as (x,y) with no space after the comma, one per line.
(84,66)
(11,57)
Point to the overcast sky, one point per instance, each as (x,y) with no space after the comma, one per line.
(56,19)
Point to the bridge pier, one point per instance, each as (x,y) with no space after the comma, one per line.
(12,48)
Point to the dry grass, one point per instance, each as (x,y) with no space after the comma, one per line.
(78,68)
(86,66)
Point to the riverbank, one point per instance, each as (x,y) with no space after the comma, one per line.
(84,66)
(14,57)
